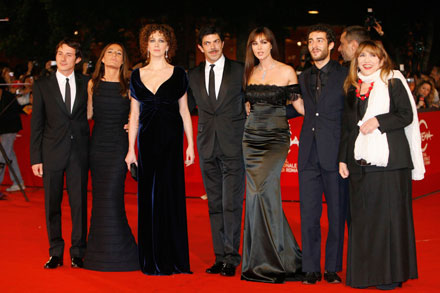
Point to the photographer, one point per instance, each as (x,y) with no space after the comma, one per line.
(374,26)
(10,124)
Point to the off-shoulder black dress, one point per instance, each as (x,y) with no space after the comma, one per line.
(270,251)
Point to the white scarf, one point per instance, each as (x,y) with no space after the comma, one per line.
(373,147)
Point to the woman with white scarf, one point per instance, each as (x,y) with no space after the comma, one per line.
(380,152)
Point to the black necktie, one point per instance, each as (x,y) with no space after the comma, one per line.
(318,86)
(67,98)
(212,83)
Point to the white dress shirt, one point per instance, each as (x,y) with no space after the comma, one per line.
(62,84)
(218,72)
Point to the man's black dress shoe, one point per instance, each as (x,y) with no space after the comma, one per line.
(332,277)
(53,262)
(312,278)
(228,270)
(216,268)
(77,262)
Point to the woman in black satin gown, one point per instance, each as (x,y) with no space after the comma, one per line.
(159,110)
(270,251)
(111,246)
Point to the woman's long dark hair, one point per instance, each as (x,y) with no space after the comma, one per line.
(251,60)
(124,73)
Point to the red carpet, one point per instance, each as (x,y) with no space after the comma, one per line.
(24,249)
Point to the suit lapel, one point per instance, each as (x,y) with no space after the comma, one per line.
(225,83)
(55,89)
(79,85)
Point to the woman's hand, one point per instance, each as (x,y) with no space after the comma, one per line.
(369,126)
(248,108)
(343,170)
(189,160)
(130,158)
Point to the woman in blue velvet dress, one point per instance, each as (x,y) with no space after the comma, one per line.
(159,117)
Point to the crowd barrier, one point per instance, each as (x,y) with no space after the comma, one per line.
(289,176)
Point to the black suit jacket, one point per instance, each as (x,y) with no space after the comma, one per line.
(322,121)
(392,123)
(55,132)
(223,118)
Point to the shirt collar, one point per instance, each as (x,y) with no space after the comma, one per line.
(220,63)
(63,77)
(325,69)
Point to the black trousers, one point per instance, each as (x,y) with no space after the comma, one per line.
(76,184)
(224,181)
(313,182)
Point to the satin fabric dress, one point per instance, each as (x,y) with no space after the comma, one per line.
(111,246)
(270,251)
(162,229)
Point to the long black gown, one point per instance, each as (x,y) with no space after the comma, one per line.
(162,229)
(111,245)
(381,239)
(270,251)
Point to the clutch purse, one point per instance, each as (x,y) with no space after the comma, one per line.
(134,171)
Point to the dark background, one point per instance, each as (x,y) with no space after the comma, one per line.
(35,27)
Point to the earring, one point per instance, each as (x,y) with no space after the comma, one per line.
(166,54)
(148,54)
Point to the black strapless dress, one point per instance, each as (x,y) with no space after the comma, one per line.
(111,246)
(270,251)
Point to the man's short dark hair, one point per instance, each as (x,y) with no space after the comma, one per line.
(209,30)
(320,27)
(356,32)
(72,44)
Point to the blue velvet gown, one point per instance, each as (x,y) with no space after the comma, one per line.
(162,229)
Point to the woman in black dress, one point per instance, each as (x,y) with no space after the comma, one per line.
(159,116)
(379,153)
(270,251)
(111,245)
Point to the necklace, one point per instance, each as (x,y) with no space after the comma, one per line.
(266,70)
(358,94)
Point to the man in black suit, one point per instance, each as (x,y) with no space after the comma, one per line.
(216,89)
(59,148)
(322,92)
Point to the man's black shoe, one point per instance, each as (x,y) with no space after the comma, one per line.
(216,268)
(332,277)
(53,262)
(77,262)
(228,270)
(312,277)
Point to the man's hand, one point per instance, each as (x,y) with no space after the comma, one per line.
(38,169)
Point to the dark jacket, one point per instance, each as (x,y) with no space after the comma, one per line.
(10,121)
(322,121)
(54,132)
(223,118)
(392,123)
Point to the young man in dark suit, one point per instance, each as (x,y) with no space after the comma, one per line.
(322,92)
(59,149)
(215,86)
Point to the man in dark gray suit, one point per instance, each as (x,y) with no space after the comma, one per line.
(215,86)
(59,149)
